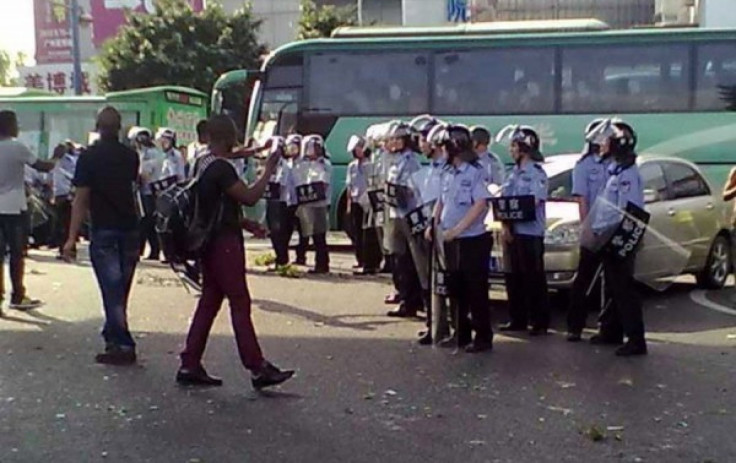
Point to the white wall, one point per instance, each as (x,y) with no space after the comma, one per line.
(424,12)
(717,13)
(280,18)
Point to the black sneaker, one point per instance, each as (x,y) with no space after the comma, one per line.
(116,356)
(631,349)
(476,347)
(270,375)
(196,377)
(574,336)
(538,331)
(425,339)
(318,271)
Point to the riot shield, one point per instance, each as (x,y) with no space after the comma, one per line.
(633,233)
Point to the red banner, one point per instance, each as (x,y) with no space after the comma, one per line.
(109,15)
(53,37)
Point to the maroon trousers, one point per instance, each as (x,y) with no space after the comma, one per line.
(223,275)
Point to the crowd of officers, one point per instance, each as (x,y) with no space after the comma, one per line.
(427,222)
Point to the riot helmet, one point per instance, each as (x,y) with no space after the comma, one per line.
(313,147)
(293,145)
(165,134)
(458,143)
(399,137)
(591,146)
(354,143)
(521,140)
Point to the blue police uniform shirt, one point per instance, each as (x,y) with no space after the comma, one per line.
(433,186)
(624,186)
(400,170)
(529,179)
(283,176)
(356,180)
(174,166)
(462,187)
(589,177)
(493,168)
(63,174)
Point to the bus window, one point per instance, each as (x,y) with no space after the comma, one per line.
(625,79)
(502,81)
(368,84)
(278,113)
(716,85)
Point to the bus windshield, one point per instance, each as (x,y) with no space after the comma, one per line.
(278,113)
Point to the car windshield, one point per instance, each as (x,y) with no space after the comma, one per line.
(559,175)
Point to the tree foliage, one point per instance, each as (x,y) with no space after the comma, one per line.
(320,21)
(6,65)
(175,46)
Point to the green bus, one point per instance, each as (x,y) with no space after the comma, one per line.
(48,120)
(676,86)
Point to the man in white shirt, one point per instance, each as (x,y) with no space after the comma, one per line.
(14,156)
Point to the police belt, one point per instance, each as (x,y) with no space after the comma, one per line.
(514,208)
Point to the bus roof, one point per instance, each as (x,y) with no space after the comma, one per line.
(231,78)
(144,91)
(510,38)
(20,92)
(486,28)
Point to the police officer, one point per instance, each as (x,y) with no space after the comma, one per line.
(526,283)
(62,177)
(151,162)
(426,184)
(410,251)
(624,186)
(365,240)
(315,169)
(174,164)
(294,154)
(589,177)
(491,163)
(278,198)
(461,211)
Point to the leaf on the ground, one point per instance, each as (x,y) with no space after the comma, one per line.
(614,428)
(731,336)
(594,433)
(288,271)
(565,385)
(369,396)
(626,382)
(477,442)
(60,416)
(564,411)
(482,417)
(264,260)
(390,392)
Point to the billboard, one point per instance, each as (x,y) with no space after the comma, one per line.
(109,15)
(53,36)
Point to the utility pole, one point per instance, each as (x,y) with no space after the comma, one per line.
(360,13)
(74,18)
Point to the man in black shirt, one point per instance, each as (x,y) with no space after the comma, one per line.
(105,181)
(223,261)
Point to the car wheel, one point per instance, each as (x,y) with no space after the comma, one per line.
(717,266)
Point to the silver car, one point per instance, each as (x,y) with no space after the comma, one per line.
(684,208)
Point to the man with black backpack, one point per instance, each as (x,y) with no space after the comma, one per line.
(105,181)
(219,195)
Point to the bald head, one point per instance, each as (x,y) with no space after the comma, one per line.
(109,122)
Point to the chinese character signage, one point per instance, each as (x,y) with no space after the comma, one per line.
(514,208)
(311,193)
(109,15)
(59,78)
(53,36)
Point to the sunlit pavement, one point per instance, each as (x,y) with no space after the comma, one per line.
(364,390)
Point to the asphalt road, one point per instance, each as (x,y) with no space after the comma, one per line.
(364,391)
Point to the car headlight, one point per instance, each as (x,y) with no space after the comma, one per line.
(563,235)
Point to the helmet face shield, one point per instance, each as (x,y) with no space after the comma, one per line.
(523,137)
(602,132)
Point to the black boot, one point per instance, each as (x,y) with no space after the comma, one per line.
(269,375)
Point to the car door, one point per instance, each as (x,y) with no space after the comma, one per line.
(692,208)
(657,197)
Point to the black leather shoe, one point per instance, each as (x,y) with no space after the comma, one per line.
(573,336)
(511,327)
(318,271)
(198,377)
(392,299)
(477,347)
(269,375)
(300,262)
(631,349)
(116,356)
(425,340)
(365,272)
(603,340)
(538,331)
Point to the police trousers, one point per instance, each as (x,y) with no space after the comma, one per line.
(586,292)
(365,239)
(623,315)
(280,226)
(526,283)
(469,281)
